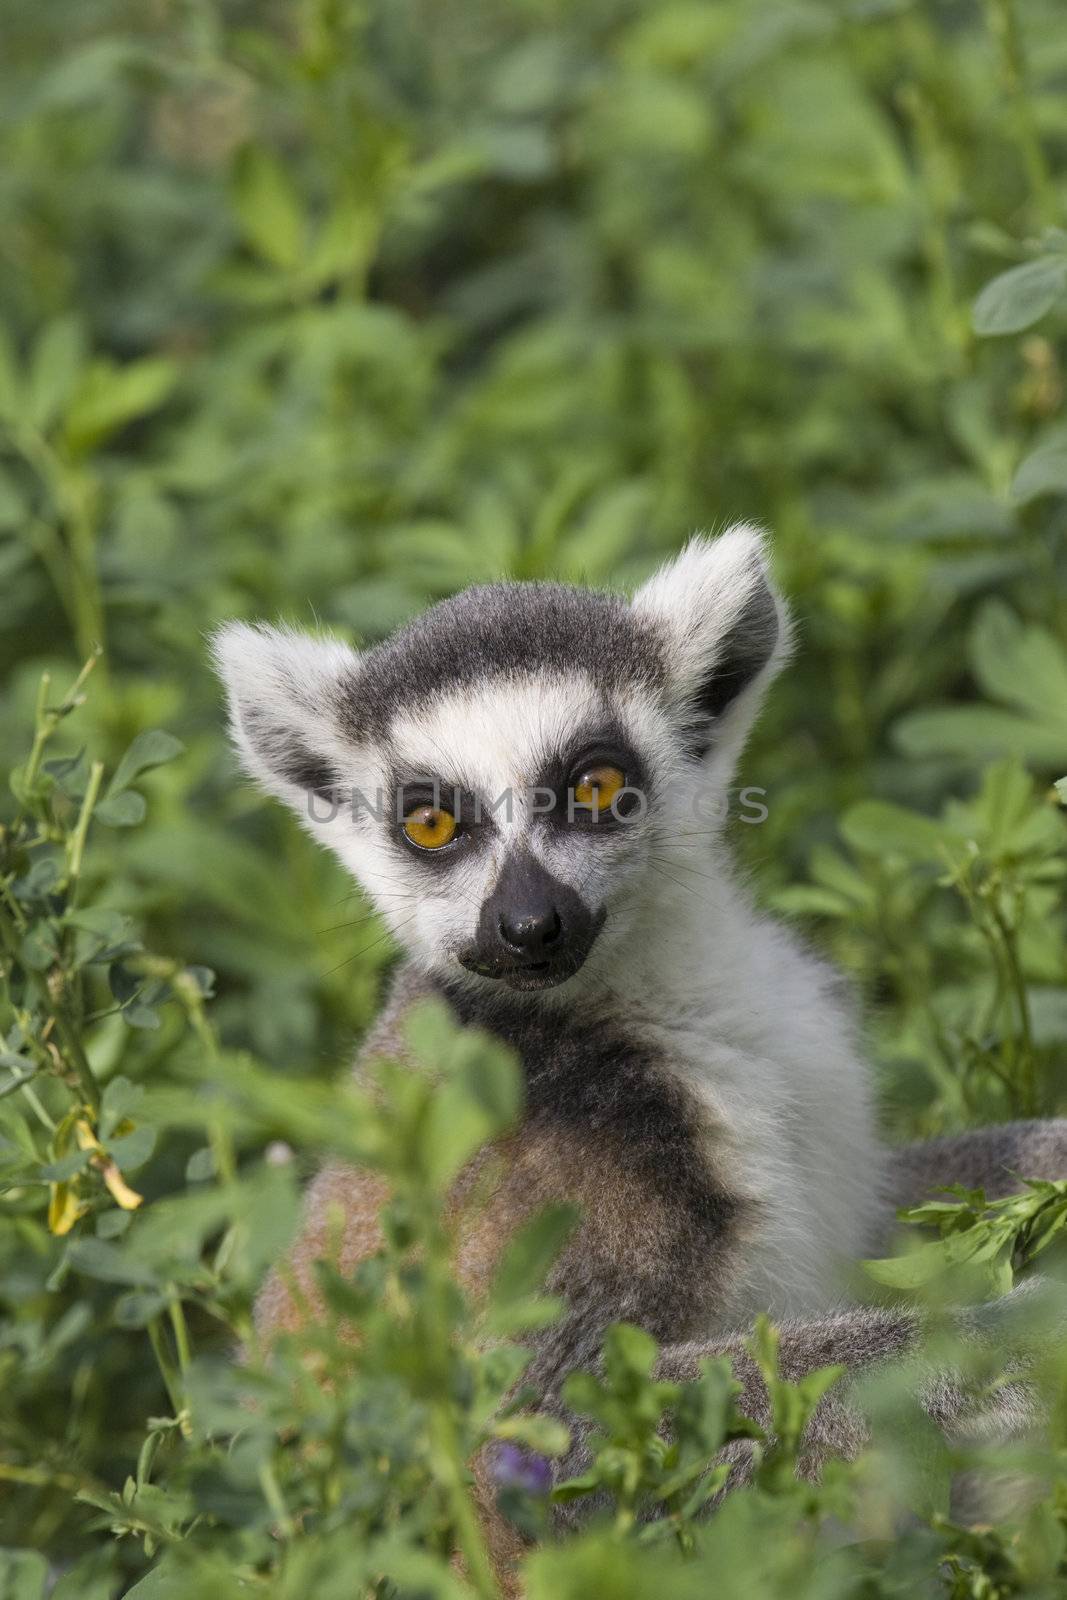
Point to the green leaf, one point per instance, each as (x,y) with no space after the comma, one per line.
(70,774)
(152,748)
(138,1015)
(10,378)
(531,1251)
(109,397)
(429,1027)
(536,1432)
(161,1583)
(120,1100)
(39,947)
(131,1150)
(23,1575)
(576,1488)
(488,1073)
(1043,471)
(122,810)
(629,1351)
(65,1168)
(113,927)
(139,1307)
(268,208)
(1023,665)
(454,1128)
(809,900)
(1020,297)
(112,1224)
(204,979)
(54,368)
(1007,817)
(878,827)
(929,1261)
(96,1258)
(979,732)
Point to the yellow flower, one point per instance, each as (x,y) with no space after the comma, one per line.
(66,1202)
(120,1190)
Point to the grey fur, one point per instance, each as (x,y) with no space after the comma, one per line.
(993,1159)
(863,1340)
(500,629)
(493,631)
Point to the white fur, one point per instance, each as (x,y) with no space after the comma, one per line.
(284,677)
(695,600)
(742,1014)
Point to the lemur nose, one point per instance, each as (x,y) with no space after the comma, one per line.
(532,934)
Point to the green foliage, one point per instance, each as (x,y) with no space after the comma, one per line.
(1001,1236)
(990,1024)
(320,312)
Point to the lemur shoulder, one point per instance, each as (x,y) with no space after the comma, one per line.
(556,868)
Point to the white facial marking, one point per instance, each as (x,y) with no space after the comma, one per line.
(496,737)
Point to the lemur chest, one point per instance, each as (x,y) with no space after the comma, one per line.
(610,1128)
(691,1212)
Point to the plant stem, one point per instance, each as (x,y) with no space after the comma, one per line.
(43,727)
(79,590)
(1004,26)
(41,1478)
(935,188)
(1027,1077)
(77,838)
(77,1061)
(468,1534)
(181,1332)
(39,1109)
(170,1377)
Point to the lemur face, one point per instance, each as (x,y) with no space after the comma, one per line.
(499,773)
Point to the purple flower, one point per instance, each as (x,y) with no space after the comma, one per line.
(517,1468)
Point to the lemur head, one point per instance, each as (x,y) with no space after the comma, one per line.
(502,774)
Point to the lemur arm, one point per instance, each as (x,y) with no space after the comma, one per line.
(861,1340)
(994,1159)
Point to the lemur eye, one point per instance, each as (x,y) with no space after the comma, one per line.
(597,788)
(429,827)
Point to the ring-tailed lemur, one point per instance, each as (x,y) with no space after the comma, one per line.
(556,870)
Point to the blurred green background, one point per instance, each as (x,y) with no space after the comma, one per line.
(320,311)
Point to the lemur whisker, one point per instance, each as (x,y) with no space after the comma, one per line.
(389,933)
(688,887)
(684,866)
(356,922)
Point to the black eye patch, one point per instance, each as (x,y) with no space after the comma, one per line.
(600,747)
(409,794)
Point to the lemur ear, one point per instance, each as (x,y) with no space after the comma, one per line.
(284,690)
(726,631)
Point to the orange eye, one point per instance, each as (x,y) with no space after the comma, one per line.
(429,827)
(598,787)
